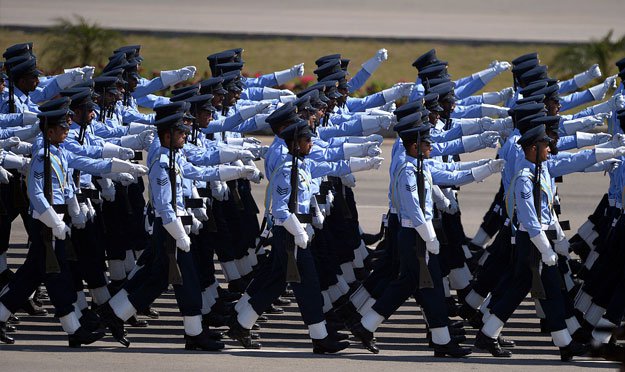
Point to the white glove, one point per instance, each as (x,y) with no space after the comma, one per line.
(256,150)
(542,244)
(88,71)
(494,98)
(348,180)
(79,217)
(9,142)
(482,171)
(108,189)
(615,103)
(494,111)
(598,91)
(272,93)
(110,150)
(243,140)
(602,154)
(295,228)
(561,247)
(4,176)
(27,133)
(362,164)
(587,76)
(609,165)
(11,161)
(29,118)
(196,225)
(617,141)
(88,209)
(219,190)
(22,148)
(389,107)
(374,138)
(70,78)
(501,66)
(171,77)
(480,141)
(372,64)
(176,230)
(397,91)
(589,139)
(136,128)
(502,125)
(230,172)
(585,123)
(252,110)
(373,123)
(141,141)
(467,165)
(427,233)
(256,176)
(53,221)
(120,166)
(488,74)
(289,74)
(360,149)
(124,178)
(453,207)
(228,155)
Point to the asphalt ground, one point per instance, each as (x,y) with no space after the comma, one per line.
(41,344)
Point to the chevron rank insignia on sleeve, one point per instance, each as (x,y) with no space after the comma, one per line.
(162,181)
(282,191)
(411,188)
(38,175)
(526,195)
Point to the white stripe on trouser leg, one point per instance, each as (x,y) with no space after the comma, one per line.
(334,293)
(342,284)
(440,335)
(251,254)
(241,266)
(100,295)
(122,306)
(3,262)
(348,272)
(590,260)
(4,313)
(117,271)
(582,301)
(467,252)
(561,338)
(367,306)
(459,278)
(327,302)
(594,313)
(492,326)
(568,281)
(230,271)
(585,229)
(70,323)
(357,262)
(129,261)
(362,248)
(572,324)
(600,337)
(483,258)
(213,289)
(446,287)
(539,309)
(481,237)
(371,320)
(242,302)
(192,325)
(81,300)
(474,299)
(247,316)
(318,331)
(360,296)
(207,301)
(77,310)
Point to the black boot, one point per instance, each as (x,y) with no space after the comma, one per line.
(274,310)
(452,349)
(202,342)
(328,345)
(365,337)
(348,314)
(13,320)
(237,332)
(133,321)
(452,306)
(89,320)
(237,285)
(113,323)
(491,345)
(149,312)
(83,337)
(213,320)
(30,308)
(573,349)
(281,301)
(504,342)
(466,312)
(3,334)
(610,351)
(226,295)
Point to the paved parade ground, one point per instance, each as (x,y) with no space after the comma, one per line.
(41,344)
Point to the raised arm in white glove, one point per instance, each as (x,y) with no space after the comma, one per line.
(70,78)
(617,141)
(541,242)
(272,93)
(136,128)
(9,142)
(587,76)
(141,141)
(362,139)
(360,149)
(171,77)
(22,148)
(363,164)
(252,110)
(230,172)
(373,123)
(590,139)
(585,123)
(494,68)
(598,91)
(27,133)
(482,171)
(229,154)
(29,118)
(615,103)
(289,74)
(608,153)
(120,166)
(397,91)
(480,141)
(609,165)
(494,111)
(11,161)
(372,64)
(494,98)
(110,150)
(176,230)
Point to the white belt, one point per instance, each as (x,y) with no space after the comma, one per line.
(181,212)
(36,215)
(542,227)
(407,222)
